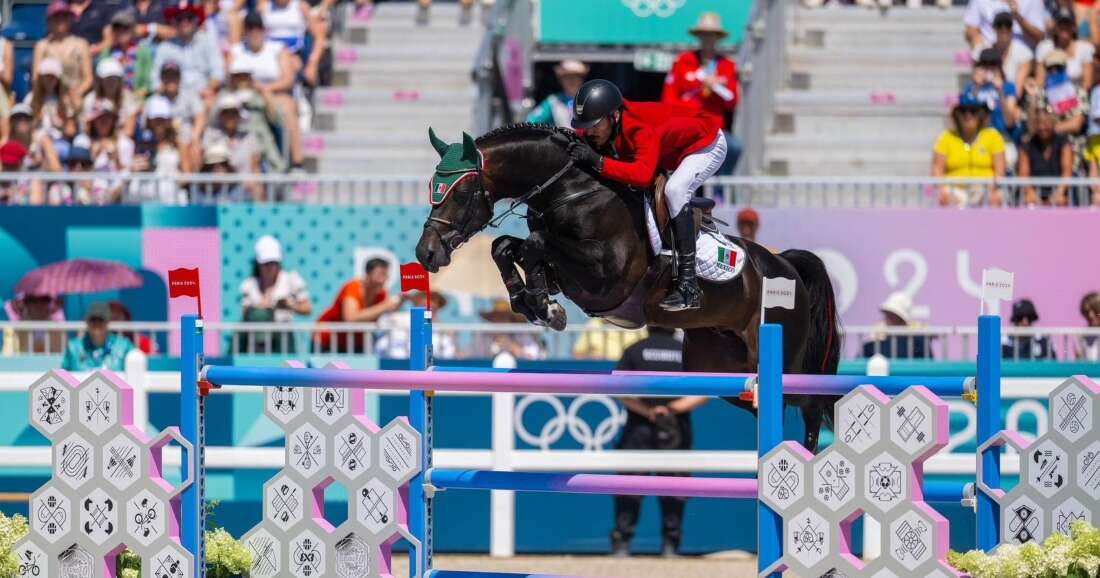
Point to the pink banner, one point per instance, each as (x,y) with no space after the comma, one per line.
(937,256)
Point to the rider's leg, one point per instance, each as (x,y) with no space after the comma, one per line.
(689,176)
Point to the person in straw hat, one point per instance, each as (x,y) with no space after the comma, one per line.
(897,312)
(706,79)
(557,109)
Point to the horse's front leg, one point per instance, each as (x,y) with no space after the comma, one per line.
(533,260)
(506,251)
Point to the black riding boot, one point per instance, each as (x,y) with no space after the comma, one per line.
(687,295)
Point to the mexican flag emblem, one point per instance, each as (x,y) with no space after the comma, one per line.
(727,258)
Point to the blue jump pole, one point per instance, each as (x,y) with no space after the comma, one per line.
(421,419)
(769,435)
(192,408)
(989,423)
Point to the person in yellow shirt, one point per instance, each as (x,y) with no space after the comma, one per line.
(969,150)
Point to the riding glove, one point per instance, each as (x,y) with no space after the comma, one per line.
(582,153)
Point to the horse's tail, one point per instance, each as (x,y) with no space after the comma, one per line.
(823,346)
(822,353)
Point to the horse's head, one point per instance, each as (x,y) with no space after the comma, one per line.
(461,206)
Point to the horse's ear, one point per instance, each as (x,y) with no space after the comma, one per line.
(437,143)
(469,148)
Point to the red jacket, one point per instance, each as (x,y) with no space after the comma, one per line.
(655,135)
(682,85)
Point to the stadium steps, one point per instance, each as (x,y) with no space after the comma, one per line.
(867,92)
(393,79)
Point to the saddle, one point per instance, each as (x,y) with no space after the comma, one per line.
(659,203)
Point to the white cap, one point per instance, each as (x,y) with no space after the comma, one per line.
(158,107)
(227,100)
(109,67)
(241,66)
(268,250)
(218,153)
(82,141)
(49,67)
(899,303)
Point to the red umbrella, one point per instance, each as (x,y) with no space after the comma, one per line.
(77,276)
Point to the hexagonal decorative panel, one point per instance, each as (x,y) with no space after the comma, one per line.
(860,419)
(352,451)
(76,562)
(99,516)
(123,460)
(354,557)
(51,514)
(1022,521)
(886,482)
(912,539)
(33,561)
(917,422)
(399,451)
(1060,471)
(375,506)
(283,404)
(284,502)
(99,403)
(1087,470)
(782,475)
(74,460)
(1065,514)
(1071,411)
(1046,467)
(171,561)
(266,553)
(306,451)
(808,539)
(834,479)
(52,400)
(146,518)
(308,555)
(330,404)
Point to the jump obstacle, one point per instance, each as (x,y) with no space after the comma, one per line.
(397,499)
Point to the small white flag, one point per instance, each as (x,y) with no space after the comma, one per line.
(997,284)
(778,292)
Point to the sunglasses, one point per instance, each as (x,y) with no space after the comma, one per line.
(1056,68)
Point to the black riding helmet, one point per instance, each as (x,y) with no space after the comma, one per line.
(595,100)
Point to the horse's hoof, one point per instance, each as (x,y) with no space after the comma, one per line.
(557,316)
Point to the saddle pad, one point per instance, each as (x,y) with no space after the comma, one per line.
(717,259)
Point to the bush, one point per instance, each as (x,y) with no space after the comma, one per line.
(1061,556)
(11,531)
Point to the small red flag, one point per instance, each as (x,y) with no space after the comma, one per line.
(414,277)
(185,283)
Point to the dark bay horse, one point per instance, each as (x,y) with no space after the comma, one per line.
(588,241)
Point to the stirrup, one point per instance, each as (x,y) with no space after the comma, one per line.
(684,297)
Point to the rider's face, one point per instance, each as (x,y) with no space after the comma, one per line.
(600,135)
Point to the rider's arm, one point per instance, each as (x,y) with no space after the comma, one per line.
(640,171)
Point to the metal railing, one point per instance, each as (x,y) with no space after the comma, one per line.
(362,189)
(485,340)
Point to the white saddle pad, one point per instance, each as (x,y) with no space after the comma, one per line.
(717,259)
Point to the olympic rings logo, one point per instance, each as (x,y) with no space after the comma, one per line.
(568,420)
(658,8)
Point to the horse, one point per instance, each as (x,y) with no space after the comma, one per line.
(588,241)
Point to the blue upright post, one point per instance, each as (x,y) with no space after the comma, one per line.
(769,397)
(989,423)
(420,417)
(192,428)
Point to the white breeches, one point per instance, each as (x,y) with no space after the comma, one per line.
(692,172)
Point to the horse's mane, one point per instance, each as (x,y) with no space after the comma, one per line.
(530,127)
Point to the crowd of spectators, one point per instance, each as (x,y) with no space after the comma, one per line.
(1031,107)
(164,88)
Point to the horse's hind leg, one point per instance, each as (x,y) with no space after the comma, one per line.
(505,254)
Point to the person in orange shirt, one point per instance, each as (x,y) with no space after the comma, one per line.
(707,80)
(361,300)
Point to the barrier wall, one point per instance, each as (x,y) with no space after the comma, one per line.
(874,467)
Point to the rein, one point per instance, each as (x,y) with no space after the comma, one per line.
(524,198)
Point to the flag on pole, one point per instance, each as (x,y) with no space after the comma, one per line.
(415,278)
(997,284)
(778,292)
(185,283)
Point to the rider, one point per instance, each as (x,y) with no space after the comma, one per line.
(632,140)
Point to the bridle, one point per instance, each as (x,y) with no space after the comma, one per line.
(456,234)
